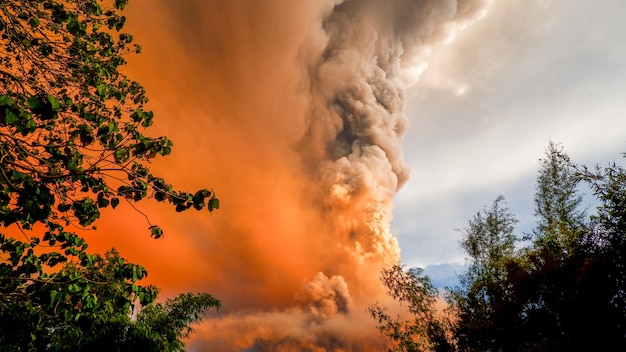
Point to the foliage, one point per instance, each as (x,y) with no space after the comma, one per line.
(86,308)
(606,248)
(490,243)
(565,291)
(169,323)
(72,143)
(557,203)
(422,331)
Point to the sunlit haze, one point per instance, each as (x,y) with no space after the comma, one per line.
(344,136)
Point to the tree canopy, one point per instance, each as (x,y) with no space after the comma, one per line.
(73,142)
(422,328)
(562,289)
(489,242)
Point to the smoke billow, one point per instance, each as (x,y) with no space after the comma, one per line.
(293,112)
(358,64)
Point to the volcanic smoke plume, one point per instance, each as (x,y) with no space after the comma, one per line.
(292,111)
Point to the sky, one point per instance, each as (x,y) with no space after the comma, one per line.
(484,112)
(344,136)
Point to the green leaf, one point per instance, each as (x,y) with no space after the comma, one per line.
(156,231)
(73,288)
(6,100)
(120,4)
(182,207)
(120,23)
(137,115)
(55,104)
(214,204)
(114,202)
(103,202)
(148,116)
(101,89)
(34,103)
(10,118)
(198,199)
(75,27)
(160,196)
(121,155)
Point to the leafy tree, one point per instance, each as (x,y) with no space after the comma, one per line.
(561,293)
(557,203)
(87,309)
(565,291)
(544,279)
(423,330)
(490,243)
(604,270)
(72,143)
(169,323)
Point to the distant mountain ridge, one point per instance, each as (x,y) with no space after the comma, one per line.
(444,275)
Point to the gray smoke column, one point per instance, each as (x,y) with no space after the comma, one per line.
(358,64)
(355,126)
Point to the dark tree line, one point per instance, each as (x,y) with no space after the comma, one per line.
(559,288)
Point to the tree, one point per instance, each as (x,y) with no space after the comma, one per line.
(604,270)
(490,243)
(423,330)
(557,203)
(560,283)
(168,323)
(72,142)
(87,309)
(563,292)
(545,279)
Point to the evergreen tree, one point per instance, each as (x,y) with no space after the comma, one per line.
(490,243)
(604,270)
(565,292)
(557,203)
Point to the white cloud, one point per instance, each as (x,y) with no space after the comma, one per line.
(529,72)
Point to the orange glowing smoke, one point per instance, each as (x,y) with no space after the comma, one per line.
(292,111)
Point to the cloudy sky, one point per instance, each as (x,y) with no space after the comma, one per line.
(306,117)
(489,103)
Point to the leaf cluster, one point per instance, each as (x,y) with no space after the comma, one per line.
(423,330)
(87,308)
(563,291)
(72,142)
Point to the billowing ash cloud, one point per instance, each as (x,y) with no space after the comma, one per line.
(325,297)
(357,65)
(306,174)
(320,320)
